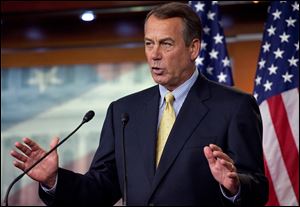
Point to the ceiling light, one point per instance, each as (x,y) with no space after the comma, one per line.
(87,16)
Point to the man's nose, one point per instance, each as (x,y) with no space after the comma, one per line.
(156,53)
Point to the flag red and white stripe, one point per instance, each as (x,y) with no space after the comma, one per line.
(280,116)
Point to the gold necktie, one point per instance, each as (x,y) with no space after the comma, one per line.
(165,126)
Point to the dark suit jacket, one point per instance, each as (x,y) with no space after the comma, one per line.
(210,114)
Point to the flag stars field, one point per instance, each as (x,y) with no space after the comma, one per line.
(213,60)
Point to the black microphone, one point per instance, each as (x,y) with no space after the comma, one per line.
(124,119)
(87,117)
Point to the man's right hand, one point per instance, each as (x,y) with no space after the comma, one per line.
(46,171)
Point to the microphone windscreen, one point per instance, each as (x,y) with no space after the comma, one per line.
(88,116)
(124,118)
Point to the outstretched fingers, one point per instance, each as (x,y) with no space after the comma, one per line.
(228,165)
(215,147)
(19,165)
(26,150)
(18,156)
(214,154)
(222,156)
(34,146)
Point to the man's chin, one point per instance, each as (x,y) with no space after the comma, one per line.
(159,81)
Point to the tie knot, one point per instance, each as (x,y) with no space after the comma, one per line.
(169,98)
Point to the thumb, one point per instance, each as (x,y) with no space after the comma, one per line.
(54,142)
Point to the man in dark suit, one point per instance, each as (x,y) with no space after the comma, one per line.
(201,144)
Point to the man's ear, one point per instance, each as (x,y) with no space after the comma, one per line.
(194,49)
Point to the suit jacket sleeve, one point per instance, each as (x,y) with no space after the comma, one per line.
(245,147)
(100,185)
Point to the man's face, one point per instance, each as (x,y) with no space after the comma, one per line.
(170,60)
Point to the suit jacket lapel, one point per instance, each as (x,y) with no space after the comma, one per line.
(192,112)
(147,132)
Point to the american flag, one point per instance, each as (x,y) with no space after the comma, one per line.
(213,60)
(277,93)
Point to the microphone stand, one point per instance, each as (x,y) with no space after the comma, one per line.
(125,118)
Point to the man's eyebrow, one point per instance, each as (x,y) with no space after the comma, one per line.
(166,39)
(147,39)
(161,40)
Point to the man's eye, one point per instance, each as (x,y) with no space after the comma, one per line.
(167,44)
(148,43)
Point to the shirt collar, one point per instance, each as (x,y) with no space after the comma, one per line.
(181,91)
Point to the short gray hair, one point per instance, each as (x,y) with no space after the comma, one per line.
(192,23)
